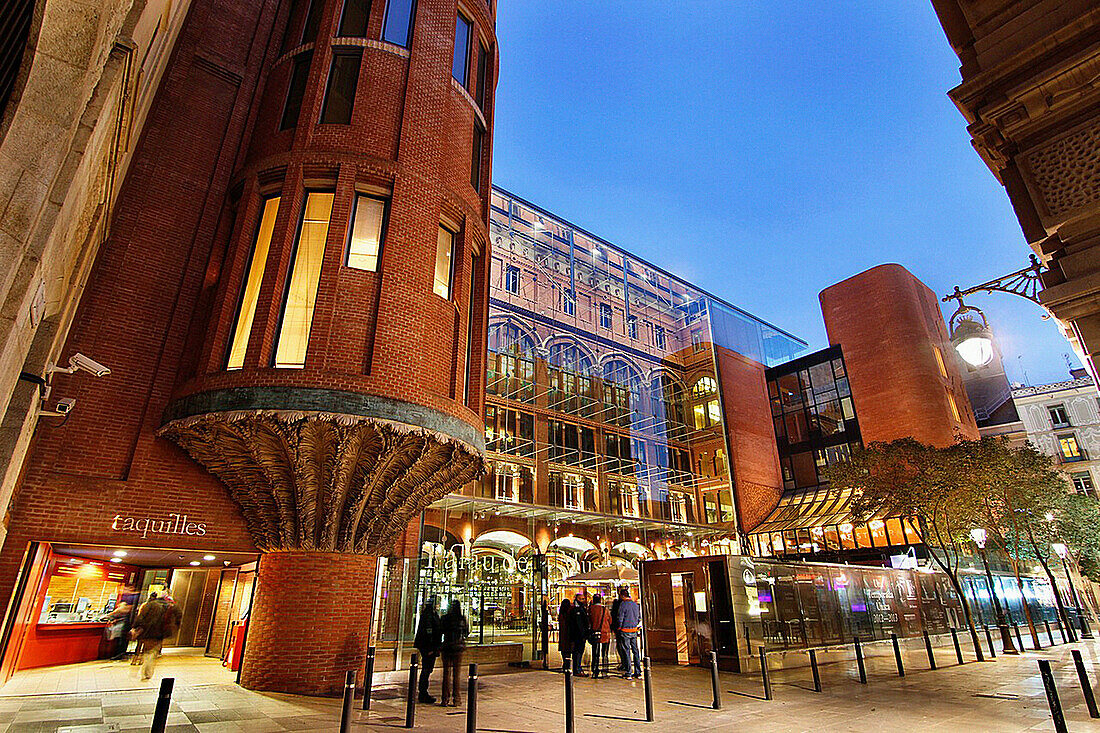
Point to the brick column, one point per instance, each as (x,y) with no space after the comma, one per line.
(310,622)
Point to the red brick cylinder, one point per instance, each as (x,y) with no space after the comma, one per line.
(310,622)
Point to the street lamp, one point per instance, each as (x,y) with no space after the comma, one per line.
(1063,552)
(979,536)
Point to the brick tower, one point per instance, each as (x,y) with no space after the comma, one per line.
(294,293)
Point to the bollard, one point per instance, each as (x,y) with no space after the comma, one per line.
(471,700)
(1052,697)
(568,700)
(716,703)
(410,697)
(368,678)
(1050,634)
(813,668)
(897,655)
(164,701)
(764,678)
(748,639)
(647,683)
(1019,639)
(859,662)
(958,649)
(989,639)
(1086,686)
(349,701)
(1062,631)
(928,648)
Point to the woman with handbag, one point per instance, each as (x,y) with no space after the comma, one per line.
(601,635)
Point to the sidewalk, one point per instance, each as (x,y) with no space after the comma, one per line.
(1001,695)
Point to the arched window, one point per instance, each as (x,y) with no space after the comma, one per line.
(703,387)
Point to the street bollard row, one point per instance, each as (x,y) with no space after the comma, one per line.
(164,701)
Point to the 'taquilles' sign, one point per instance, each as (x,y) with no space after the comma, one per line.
(174,524)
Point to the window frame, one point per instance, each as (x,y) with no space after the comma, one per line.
(511,277)
(451,266)
(341,53)
(409,30)
(607,318)
(1060,407)
(477,155)
(246,276)
(340,26)
(462,20)
(303,61)
(383,226)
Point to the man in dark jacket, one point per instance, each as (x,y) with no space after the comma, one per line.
(455,630)
(157,620)
(619,649)
(579,632)
(429,637)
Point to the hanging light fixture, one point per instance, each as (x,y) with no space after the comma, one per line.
(971,335)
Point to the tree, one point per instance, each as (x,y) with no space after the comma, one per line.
(1073,520)
(909,479)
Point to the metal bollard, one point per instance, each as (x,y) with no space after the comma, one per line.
(958,649)
(1050,634)
(748,639)
(569,700)
(368,678)
(349,701)
(1019,639)
(410,697)
(897,655)
(164,701)
(1052,697)
(716,703)
(989,639)
(647,683)
(471,700)
(764,674)
(1062,631)
(928,648)
(1086,686)
(813,668)
(859,662)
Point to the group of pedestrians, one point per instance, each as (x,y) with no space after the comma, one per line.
(581,624)
(441,636)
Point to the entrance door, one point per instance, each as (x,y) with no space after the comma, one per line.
(686,618)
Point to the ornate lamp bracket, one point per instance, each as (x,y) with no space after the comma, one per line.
(1024,283)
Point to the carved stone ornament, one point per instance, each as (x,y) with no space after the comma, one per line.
(323,481)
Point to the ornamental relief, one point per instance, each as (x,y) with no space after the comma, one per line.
(1066,171)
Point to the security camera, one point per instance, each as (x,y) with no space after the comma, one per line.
(87,364)
(65,405)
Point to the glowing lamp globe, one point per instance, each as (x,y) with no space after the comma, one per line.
(1060,549)
(973,341)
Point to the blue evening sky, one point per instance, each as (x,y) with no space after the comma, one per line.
(763,151)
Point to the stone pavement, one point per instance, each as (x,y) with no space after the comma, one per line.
(1001,695)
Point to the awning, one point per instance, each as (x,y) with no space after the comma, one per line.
(614,574)
(809,508)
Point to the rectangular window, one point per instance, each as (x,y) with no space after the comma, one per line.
(444,254)
(475,157)
(460,61)
(939,361)
(398,23)
(511,279)
(954,407)
(343,80)
(605,315)
(353,21)
(313,21)
(568,302)
(1082,484)
(254,276)
(1059,418)
(1071,451)
(482,74)
(365,238)
(299,75)
(696,342)
(305,275)
(659,337)
(632,327)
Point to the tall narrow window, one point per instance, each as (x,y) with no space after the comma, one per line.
(460,67)
(398,24)
(305,275)
(365,239)
(313,21)
(568,303)
(511,279)
(342,82)
(253,278)
(444,256)
(299,74)
(632,327)
(353,21)
(605,315)
(290,38)
(939,361)
(954,407)
(475,157)
(659,337)
(482,74)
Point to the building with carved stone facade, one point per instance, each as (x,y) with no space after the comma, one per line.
(1030,94)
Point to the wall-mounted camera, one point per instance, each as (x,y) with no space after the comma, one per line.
(80,363)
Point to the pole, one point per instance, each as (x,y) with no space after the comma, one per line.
(998,610)
(1086,686)
(748,640)
(647,683)
(716,701)
(349,701)
(1019,638)
(1050,634)
(368,678)
(859,662)
(989,640)
(813,668)
(958,649)
(1052,697)
(897,655)
(545,636)
(164,701)
(471,700)
(568,700)
(410,696)
(1086,632)
(764,674)
(928,648)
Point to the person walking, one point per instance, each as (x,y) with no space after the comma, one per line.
(620,650)
(429,638)
(601,635)
(565,636)
(118,621)
(630,624)
(455,630)
(582,625)
(157,619)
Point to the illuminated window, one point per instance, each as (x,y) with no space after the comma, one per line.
(1071,451)
(398,24)
(703,387)
(365,240)
(343,79)
(939,361)
(444,254)
(246,309)
(954,407)
(353,21)
(697,342)
(299,74)
(459,63)
(305,275)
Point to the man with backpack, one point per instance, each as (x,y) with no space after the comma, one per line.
(157,620)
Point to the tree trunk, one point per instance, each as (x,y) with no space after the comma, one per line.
(1027,609)
(966,613)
